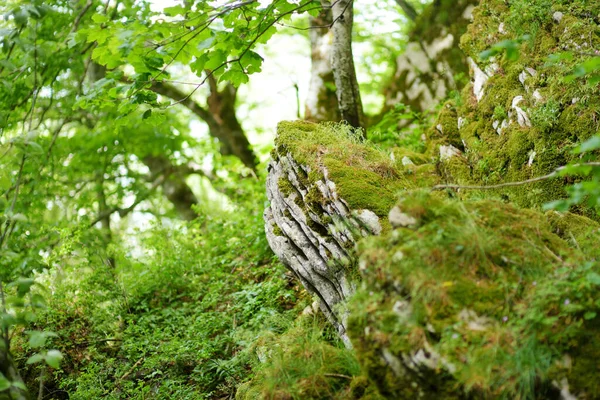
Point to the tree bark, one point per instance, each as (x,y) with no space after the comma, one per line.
(321,102)
(408,9)
(347,90)
(220,118)
(174,186)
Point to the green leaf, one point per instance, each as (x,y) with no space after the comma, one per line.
(19,385)
(36,339)
(24,286)
(4,383)
(36,358)
(215,59)
(592,143)
(558,205)
(197,66)
(99,18)
(147,113)
(175,10)
(53,358)
(593,278)
(589,315)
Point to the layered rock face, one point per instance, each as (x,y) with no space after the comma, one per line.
(426,72)
(465,293)
(326,190)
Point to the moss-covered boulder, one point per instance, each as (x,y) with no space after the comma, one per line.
(466,293)
(520,119)
(478,299)
(326,190)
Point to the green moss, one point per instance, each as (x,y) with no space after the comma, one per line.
(285,187)
(277,231)
(364,177)
(478,277)
(566,113)
(303,363)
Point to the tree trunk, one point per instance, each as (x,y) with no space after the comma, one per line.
(347,90)
(221,105)
(408,9)
(174,186)
(220,118)
(321,103)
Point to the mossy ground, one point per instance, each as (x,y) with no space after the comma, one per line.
(567,112)
(305,362)
(365,177)
(492,289)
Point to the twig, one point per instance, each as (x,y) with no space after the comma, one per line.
(81,14)
(339,376)
(553,174)
(130,371)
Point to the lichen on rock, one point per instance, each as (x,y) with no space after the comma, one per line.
(468,293)
(327,190)
(468,308)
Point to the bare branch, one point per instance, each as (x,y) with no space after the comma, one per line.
(553,174)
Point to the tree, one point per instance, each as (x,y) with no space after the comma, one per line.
(347,90)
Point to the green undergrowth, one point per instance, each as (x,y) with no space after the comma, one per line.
(566,111)
(173,318)
(306,362)
(365,177)
(499,297)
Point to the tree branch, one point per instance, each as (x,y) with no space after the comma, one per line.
(408,9)
(553,174)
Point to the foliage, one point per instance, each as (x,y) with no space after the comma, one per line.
(386,133)
(305,362)
(173,321)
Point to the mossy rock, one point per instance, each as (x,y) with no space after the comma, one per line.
(364,177)
(496,145)
(479,299)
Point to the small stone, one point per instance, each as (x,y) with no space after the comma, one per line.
(398,256)
(398,219)
(522,117)
(532,155)
(370,220)
(407,161)
(447,152)
(557,17)
(307,310)
(501,28)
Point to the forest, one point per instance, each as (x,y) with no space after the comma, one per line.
(300,199)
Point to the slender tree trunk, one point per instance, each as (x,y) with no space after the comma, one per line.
(8,367)
(221,104)
(174,186)
(321,102)
(408,9)
(348,93)
(105,215)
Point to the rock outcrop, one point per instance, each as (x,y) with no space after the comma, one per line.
(427,70)
(327,190)
(466,293)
